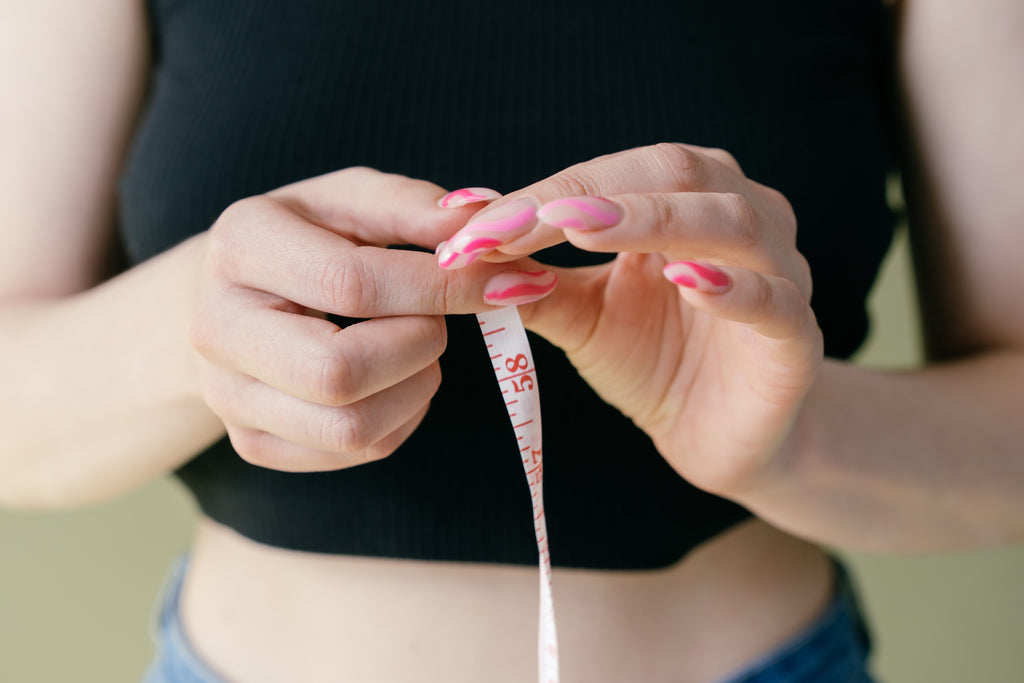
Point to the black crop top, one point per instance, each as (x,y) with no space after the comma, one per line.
(250,95)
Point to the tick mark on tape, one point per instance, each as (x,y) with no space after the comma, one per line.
(508,377)
(508,340)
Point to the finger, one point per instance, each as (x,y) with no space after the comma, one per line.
(382,209)
(660,168)
(315,360)
(772,306)
(267,450)
(718,225)
(246,403)
(467,195)
(317,269)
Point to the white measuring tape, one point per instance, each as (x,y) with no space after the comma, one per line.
(512,360)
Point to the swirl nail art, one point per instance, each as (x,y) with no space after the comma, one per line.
(519,287)
(450,259)
(700,276)
(581,213)
(467,195)
(494,227)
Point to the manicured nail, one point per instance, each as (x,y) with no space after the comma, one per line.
(494,227)
(519,287)
(581,213)
(467,195)
(700,276)
(450,259)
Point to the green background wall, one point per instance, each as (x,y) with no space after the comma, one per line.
(76,588)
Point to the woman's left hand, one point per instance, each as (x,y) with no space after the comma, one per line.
(713,368)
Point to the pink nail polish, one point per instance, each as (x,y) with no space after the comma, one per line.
(467,195)
(494,227)
(519,287)
(581,213)
(700,276)
(450,259)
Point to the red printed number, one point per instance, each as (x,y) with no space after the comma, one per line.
(524,384)
(517,363)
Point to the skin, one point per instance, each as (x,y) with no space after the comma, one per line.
(162,363)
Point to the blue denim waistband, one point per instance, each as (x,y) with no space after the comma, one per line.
(176,660)
(834,649)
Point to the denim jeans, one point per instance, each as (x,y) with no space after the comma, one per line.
(834,649)
(176,661)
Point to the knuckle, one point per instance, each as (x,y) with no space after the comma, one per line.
(245,213)
(724,157)
(576,181)
(346,431)
(428,334)
(664,214)
(345,285)
(788,215)
(226,396)
(231,233)
(360,170)
(335,378)
(798,313)
(743,217)
(250,446)
(685,166)
(452,290)
(765,297)
(222,250)
(803,281)
(434,335)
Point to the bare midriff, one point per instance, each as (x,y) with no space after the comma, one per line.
(258,614)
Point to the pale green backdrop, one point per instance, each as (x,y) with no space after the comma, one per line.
(76,588)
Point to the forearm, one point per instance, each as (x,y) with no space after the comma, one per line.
(100,391)
(915,461)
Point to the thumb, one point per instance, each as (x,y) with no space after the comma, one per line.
(373,208)
(567,316)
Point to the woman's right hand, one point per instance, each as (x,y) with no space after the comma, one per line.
(295,391)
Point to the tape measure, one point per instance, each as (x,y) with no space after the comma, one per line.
(512,360)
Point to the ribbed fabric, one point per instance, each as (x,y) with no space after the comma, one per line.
(248,96)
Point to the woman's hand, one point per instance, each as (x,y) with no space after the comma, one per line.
(295,391)
(715,367)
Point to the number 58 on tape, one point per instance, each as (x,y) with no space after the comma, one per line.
(512,361)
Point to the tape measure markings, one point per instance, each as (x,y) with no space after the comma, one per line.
(506,339)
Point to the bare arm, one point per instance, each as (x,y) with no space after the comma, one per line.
(99,390)
(726,373)
(934,459)
(110,382)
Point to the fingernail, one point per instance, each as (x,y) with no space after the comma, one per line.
(519,287)
(700,276)
(450,259)
(494,227)
(581,213)
(467,195)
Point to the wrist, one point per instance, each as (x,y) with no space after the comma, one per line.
(793,458)
(193,253)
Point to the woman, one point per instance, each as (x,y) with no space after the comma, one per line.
(370,539)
